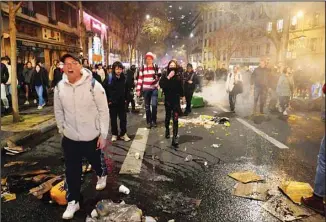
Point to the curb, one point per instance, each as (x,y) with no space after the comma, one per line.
(21,137)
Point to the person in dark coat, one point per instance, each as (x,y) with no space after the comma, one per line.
(27,78)
(171,83)
(39,82)
(46,78)
(130,84)
(190,81)
(4,78)
(97,76)
(116,93)
(57,75)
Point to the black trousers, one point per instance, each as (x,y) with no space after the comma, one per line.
(130,99)
(151,98)
(118,110)
(74,151)
(261,94)
(232,100)
(172,110)
(188,94)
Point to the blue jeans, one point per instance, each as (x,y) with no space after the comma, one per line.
(320,184)
(39,91)
(150,97)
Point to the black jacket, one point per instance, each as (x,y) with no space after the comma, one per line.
(57,77)
(130,81)
(260,77)
(20,69)
(190,76)
(172,88)
(4,74)
(44,77)
(98,77)
(116,91)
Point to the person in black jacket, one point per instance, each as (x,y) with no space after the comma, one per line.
(4,79)
(190,81)
(57,75)
(116,93)
(130,84)
(259,79)
(39,82)
(46,81)
(171,83)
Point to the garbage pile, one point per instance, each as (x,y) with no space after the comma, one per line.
(251,186)
(206,121)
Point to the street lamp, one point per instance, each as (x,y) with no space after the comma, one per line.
(148,16)
(191,35)
(300,14)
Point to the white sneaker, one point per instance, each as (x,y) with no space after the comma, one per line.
(40,107)
(35,101)
(43,104)
(72,208)
(26,103)
(285,113)
(125,137)
(101,183)
(114,138)
(279,109)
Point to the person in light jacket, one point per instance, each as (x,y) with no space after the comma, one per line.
(284,89)
(232,80)
(82,116)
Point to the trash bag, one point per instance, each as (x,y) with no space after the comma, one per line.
(58,193)
(117,212)
(197,102)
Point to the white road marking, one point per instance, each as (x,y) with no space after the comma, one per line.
(131,165)
(259,132)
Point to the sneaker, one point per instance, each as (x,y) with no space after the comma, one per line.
(125,138)
(101,183)
(154,124)
(35,101)
(72,208)
(40,107)
(26,103)
(149,126)
(43,104)
(114,138)
(285,113)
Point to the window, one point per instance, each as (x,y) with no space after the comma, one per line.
(252,15)
(313,44)
(269,27)
(261,11)
(210,27)
(74,17)
(258,50)
(279,25)
(215,26)
(211,15)
(316,19)
(205,56)
(62,16)
(215,14)
(250,51)
(41,7)
(268,48)
(205,43)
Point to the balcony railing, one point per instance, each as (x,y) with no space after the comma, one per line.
(28,12)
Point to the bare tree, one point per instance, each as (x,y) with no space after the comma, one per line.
(13,9)
(82,29)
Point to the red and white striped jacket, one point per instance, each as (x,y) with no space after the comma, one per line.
(146,79)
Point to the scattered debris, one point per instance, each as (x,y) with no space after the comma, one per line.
(227,134)
(44,187)
(256,191)
(35,172)
(246,176)
(274,133)
(215,112)
(58,193)
(205,163)
(149,219)
(220,120)
(94,214)
(188,132)
(241,135)
(14,150)
(19,163)
(227,124)
(123,189)
(8,196)
(296,190)
(171,220)
(161,178)
(284,209)
(216,145)
(3,181)
(188,158)
(137,156)
(87,168)
(117,212)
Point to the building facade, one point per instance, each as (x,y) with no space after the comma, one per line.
(45,31)
(117,46)
(195,46)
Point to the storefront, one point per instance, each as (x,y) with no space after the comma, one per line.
(96,39)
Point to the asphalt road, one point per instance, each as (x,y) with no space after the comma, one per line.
(241,148)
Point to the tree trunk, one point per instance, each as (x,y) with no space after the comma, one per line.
(13,58)
(82,30)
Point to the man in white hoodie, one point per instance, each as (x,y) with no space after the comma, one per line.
(82,116)
(234,86)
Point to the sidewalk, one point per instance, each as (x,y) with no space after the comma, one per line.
(33,122)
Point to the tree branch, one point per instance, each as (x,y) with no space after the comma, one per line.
(18,6)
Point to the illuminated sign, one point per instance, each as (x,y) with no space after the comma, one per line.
(49,34)
(96,25)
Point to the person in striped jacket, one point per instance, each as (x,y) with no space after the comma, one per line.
(149,76)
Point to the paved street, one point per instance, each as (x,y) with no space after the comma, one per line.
(241,149)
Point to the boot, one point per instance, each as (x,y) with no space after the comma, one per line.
(167,133)
(175,142)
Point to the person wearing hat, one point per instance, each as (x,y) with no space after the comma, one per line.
(190,80)
(81,112)
(149,75)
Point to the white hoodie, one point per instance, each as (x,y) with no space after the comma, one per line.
(82,113)
(229,85)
